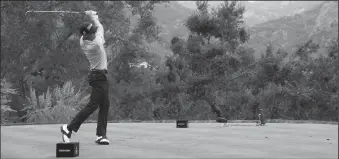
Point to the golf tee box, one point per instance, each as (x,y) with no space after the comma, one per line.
(70,149)
(182,123)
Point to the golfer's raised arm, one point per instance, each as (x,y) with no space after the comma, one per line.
(95,18)
(96,21)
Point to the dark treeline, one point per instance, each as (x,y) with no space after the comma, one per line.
(43,71)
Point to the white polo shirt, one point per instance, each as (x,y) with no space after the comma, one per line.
(94,50)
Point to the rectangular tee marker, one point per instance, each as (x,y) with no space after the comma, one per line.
(67,149)
(182,123)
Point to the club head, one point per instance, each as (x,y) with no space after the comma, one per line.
(27,12)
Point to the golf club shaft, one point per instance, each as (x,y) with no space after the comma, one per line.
(72,12)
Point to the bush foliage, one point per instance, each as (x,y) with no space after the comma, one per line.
(56,106)
(213,66)
(6,92)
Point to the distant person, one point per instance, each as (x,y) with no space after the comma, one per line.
(92,44)
(215,108)
(262,118)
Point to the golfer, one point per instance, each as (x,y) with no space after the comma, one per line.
(92,44)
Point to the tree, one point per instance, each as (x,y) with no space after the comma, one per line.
(147,25)
(49,52)
(201,22)
(230,24)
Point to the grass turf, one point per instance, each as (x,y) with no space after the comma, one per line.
(163,140)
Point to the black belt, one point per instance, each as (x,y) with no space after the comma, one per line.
(100,71)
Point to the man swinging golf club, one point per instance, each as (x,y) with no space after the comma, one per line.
(92,44)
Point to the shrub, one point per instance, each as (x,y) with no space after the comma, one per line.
(57,106)
(6,92)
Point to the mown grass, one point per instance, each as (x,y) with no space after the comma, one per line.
(192,121)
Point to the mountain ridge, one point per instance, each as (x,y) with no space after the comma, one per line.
(283,32)
(318,24)
(257,12)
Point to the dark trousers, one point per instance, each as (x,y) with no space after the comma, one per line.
(99,99)
(214,107)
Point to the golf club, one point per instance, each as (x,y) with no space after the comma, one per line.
(71,12)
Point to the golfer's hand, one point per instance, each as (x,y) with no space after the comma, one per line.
(94,16)
(91,13)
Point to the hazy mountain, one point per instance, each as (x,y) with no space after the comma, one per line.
(318,24)
(262,11)
(285,23)
(171,18)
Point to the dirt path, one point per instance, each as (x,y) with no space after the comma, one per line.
(163,140)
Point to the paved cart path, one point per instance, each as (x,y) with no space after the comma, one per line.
(163,140)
